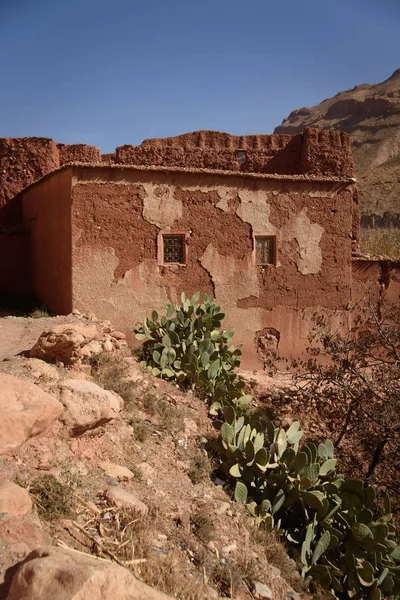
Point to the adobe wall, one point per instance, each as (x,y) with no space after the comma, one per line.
(25,160)
(47,216)
(15,264)
(118,214)
(323,153)
(377,280)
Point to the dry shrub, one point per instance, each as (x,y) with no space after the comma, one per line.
(202,525)
(111,373)
(200,467)
(54,500)
(170,417)
(381,242)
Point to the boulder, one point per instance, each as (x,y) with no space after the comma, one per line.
(63,342)
(122,497)
(87,405)
(14,500)
(26,411)
(57,573)
(116,471)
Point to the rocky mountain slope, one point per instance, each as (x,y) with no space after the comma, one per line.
(371,115)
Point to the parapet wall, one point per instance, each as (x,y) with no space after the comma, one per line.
(319,153)
(25,160)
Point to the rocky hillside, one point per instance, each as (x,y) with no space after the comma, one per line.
(371,115)
(105,490)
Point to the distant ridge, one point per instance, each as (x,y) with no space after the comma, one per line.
(371,115)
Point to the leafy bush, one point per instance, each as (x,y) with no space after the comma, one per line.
(331,522)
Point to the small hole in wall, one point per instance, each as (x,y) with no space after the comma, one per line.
(241,157)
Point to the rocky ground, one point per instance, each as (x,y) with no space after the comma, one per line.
(105,489)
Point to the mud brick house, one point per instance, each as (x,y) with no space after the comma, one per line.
(266,224)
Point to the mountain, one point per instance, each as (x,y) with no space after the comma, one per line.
(371,115)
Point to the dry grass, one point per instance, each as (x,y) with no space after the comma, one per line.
(170,417)
(202,525)
(54,500)
(381,242)
(112,373)
(200,467)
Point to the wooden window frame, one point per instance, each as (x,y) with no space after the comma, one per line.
(274,250)
(160,247)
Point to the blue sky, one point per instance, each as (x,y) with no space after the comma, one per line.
(113,72)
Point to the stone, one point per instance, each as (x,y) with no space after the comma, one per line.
(108,346)
(18,537)
(41,369)
(116,471)
(262,591)
(87,405)
(122,497)
(190,427)
(26,411)
(229,549)
(14,500)
(222,508)
(50,573)
(118,335)
(63,342)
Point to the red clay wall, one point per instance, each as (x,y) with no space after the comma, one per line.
(324,153)
(15,265)
(377,280)
(25,160)
(117,216)
(47,216)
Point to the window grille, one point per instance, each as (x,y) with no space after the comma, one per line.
(265,250)
(174,248)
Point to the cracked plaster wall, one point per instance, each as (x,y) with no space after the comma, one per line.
(115,271)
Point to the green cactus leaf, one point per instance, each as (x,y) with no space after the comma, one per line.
(270,431)
(300,462)
(249,451)
(278,502)
(312,472)
(241,492)
(227,433)
(361,532)
(235,471)
(265,506)
(328,466)
(251,508)
(365,516)
(281,442)
(244,401)
(387,584)
(365,573)
(156,356)
(167,341)
(154,371)
(213,369)
(292,433)
(382,576)
(313,499)
(195,298)
(323,451)
(369,495)
(239,424)
(258,442)
(205,359)
(215,408)
(395,554)
(261,458)
(387,504)
(321,547)
(380,532)
(247,433)
(168,372)
(334,543)
(306,546)
(230,415)
(288,456)
(248,475)
(354,486)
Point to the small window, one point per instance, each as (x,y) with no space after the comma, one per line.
(241,157)
(173,249)
(265,249)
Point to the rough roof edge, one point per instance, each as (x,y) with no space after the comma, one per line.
(374,258)
(219,172)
